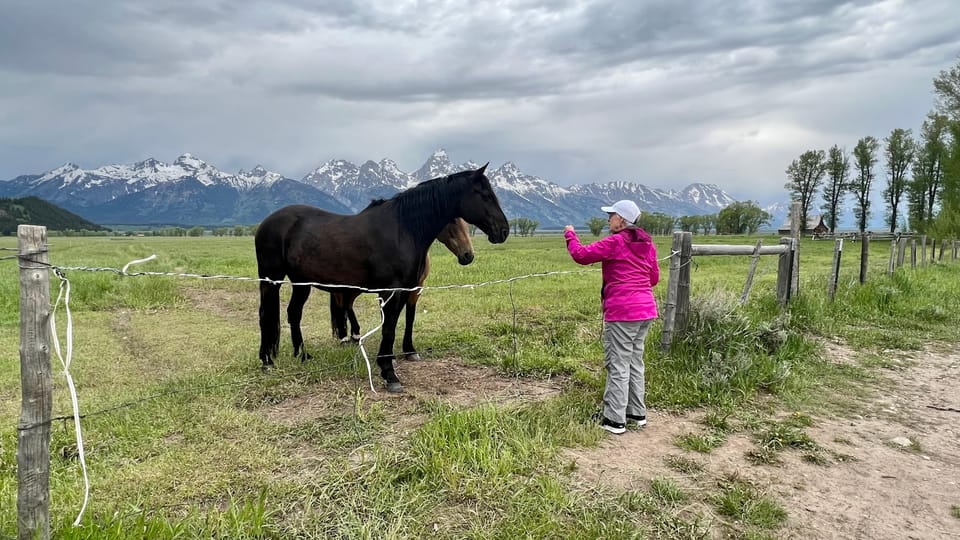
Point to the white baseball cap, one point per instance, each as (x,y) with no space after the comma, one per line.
(628,210)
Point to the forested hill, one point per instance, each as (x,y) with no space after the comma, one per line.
(36,211)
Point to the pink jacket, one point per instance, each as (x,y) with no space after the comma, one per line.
(630,270)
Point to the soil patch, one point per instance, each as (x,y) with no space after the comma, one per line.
(446,380)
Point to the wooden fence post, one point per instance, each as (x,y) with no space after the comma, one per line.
(943,247)
(864,256)
(923,250)
(891,265)
(683,284)
(913,252)
(796,229)
(670,309)
(33,431)
(901,251)
(753,270)
(835,272)
(784,272)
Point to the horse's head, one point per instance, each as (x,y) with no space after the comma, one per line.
(481,207)
(456,236)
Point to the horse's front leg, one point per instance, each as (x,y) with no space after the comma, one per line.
(409,351)
(354,324)
(349,299)
(391,314)
(294,314)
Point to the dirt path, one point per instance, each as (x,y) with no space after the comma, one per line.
(902,481)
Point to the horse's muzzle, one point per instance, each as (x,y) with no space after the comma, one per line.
(499,237)
(465,258)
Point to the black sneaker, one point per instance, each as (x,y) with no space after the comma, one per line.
(613,427)
(640,420)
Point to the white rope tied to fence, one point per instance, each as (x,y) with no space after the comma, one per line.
(64,292)
(138,261)
(363,351)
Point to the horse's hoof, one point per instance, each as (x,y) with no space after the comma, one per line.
(394,387)
(355,337)
(266,367)
(344,340)
(412,357)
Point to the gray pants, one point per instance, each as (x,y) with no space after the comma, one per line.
(623,357)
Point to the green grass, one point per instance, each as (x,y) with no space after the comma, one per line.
(667,491)
(683,464)
(746,505)
(700,442)
(186,437)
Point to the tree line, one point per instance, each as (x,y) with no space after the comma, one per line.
(737,218)
(922,172)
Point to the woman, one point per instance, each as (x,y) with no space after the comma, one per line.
(629,264)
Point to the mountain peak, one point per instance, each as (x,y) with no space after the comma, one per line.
(437,165)
(65,168)
(189,161)
(149,163)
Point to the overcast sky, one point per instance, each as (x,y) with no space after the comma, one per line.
(658,92)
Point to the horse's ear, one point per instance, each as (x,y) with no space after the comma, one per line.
(481,169)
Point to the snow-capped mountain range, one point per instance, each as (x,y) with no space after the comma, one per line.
(190,191)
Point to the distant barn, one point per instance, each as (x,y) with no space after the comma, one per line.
(815,225)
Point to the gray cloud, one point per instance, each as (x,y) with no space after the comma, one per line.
(660,92)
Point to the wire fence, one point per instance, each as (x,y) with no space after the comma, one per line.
(65,354)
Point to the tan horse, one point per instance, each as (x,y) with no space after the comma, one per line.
(456,236)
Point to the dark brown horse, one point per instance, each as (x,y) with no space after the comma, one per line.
(383,247)
(456,236)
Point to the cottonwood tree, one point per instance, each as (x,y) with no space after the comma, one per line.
(596,225)
(741,218)
(899,151)
(693,224)
(656,223)
(865,157)
(523,226)
(947,88)
(923,191)
(804,176)
(838,173)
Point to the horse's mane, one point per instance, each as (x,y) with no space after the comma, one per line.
(420,207)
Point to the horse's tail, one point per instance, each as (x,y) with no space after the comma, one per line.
(269,322)
(269,267)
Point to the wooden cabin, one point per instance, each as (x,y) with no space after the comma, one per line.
(815,226)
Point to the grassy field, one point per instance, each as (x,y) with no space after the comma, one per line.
(185,436)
